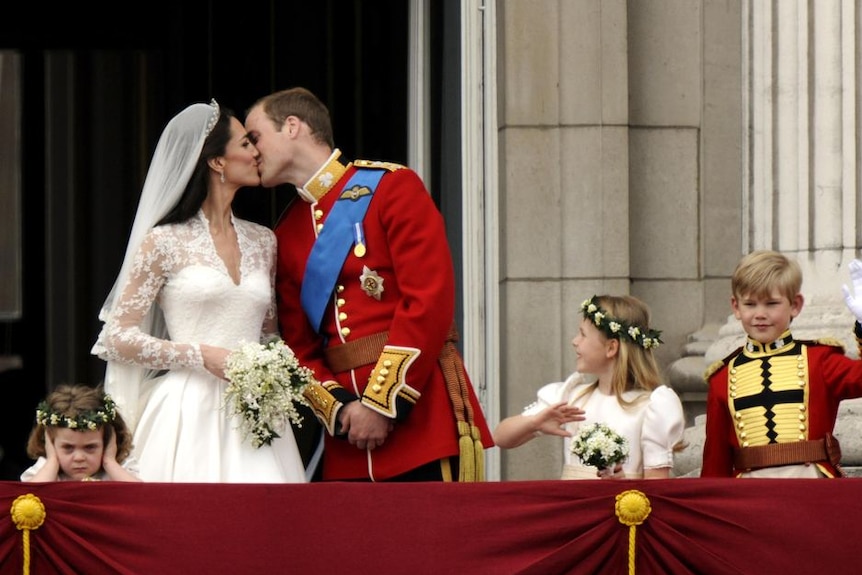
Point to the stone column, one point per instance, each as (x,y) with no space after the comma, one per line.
(799,190)
(800,164)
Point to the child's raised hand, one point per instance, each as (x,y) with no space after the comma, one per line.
(50,450)
(552,419)
(110,452)
(854,299)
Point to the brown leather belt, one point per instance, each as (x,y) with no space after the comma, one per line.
(776,454)
(367,350)
(356,353)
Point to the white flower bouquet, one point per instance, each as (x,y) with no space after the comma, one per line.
(600,446)
(265,383)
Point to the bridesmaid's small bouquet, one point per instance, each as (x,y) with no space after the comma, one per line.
(600,446)
(266,382)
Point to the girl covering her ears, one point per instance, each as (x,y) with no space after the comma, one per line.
(617,383)
(80,436)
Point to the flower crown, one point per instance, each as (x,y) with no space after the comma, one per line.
(616,328)
(85,421)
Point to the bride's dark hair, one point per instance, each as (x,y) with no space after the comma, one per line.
(196,190)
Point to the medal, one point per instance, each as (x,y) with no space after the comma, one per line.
(372,283)
(359,243)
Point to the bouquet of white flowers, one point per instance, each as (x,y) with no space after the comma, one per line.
(266,381)
(600,446)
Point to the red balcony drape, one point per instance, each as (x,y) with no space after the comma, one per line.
(697,526)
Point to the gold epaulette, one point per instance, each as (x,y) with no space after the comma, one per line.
(718,364)
(830,341)
(715,366)
(391,166)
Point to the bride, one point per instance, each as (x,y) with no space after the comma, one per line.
(195,283)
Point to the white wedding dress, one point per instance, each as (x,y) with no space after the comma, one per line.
(183,432)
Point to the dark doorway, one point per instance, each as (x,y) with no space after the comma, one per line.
(96,93)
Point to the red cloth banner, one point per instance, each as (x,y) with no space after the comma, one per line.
(697,526)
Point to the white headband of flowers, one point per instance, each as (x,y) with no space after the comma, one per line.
(617,328)
(85,421)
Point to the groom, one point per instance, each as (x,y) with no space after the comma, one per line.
(366,294)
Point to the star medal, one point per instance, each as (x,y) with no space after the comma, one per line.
(359,245)
(372,284)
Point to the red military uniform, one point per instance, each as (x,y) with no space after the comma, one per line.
(773,405)
(399,285)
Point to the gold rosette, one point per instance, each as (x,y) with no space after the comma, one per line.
(28,513)
(632,508)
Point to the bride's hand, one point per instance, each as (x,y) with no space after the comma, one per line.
(214,358)
(615,473)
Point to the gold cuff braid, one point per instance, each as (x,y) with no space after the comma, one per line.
(323,403)
(386,384)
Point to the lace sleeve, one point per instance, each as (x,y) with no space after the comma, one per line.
(122,338)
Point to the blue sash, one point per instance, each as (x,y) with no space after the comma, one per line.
(333,244)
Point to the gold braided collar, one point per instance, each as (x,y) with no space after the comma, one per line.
(326,177)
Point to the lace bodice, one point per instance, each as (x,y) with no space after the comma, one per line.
(178,268)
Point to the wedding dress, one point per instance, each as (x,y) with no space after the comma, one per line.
(183,432)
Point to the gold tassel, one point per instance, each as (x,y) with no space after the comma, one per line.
(479,450)
(467,463)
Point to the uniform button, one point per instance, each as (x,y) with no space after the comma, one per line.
(342,316)
(387,363)
(380,379)
(345,331)
(339,302)
(318,214)
(319,227)
(384,371)
(339,288)
(376,388)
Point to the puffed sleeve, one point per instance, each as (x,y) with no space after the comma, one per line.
(31,471)
(663,428)
(553,393)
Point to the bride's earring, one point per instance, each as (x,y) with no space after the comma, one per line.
(222,177)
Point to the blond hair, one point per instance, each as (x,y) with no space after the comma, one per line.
(761,272)
(635,367)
